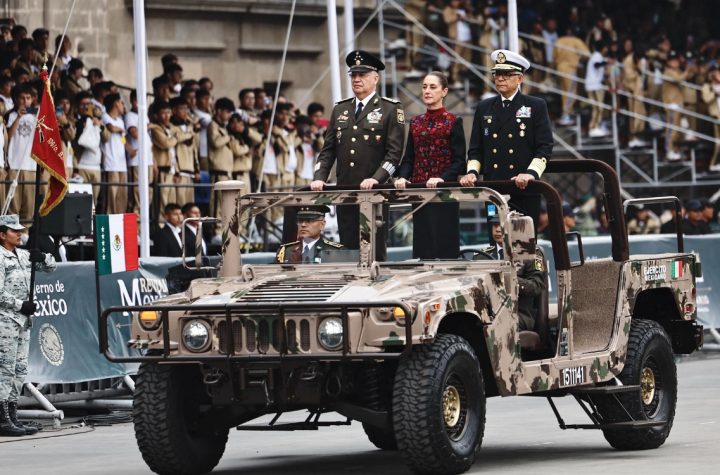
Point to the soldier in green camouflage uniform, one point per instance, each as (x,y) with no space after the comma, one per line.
(15,313)
(531,279)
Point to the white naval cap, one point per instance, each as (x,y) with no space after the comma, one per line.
(506,60)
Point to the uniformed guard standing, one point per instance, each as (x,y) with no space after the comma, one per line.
(308,249)
(511,137)
(15,319)
(365,135)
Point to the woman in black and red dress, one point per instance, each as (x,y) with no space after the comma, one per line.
(435,152)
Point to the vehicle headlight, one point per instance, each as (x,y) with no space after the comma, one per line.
(330,333)
(196,335)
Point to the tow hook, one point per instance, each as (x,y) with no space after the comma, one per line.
(214,376)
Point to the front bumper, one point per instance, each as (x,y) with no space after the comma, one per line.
(234,314)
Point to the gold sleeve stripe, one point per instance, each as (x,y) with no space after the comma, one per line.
(473,165)
(538,165)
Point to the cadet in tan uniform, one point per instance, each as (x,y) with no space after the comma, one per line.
(690,94)
(711,97)
(633,83)
(365,136)
(569,51)
(672,96)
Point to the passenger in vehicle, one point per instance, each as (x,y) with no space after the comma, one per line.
(532,278)
(435,153)
(308,248)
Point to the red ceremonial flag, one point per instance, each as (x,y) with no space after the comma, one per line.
(47,149)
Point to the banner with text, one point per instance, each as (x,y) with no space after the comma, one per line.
(64,336)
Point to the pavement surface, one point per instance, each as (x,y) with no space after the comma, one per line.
(521,437)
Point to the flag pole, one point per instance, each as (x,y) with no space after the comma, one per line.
(39,170)
(32,244)
(143,137)
(98,303)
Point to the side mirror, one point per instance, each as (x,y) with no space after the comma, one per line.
(569,236)
(198,244)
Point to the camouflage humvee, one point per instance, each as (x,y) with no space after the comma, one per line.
(411,348)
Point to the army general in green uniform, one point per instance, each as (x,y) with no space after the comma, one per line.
(365,136)
(308,249)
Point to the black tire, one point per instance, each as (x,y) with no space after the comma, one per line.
(166,414)
(650,364)
(383,439)
(431,436)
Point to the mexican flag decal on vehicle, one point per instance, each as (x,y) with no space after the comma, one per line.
(117,243)
(677,269)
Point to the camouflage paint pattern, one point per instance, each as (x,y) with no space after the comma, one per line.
(486,290)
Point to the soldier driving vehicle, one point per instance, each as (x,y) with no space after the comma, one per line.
(308,249)
(411,348)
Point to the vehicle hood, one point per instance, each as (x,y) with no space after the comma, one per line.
(333,285)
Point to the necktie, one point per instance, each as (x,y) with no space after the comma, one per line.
(500,253)
(306,254)
(506,103)
(359,110)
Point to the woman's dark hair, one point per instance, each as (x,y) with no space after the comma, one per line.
(440,77)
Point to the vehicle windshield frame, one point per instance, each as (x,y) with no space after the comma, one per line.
(370,203)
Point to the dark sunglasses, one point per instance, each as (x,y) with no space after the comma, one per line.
(504,74)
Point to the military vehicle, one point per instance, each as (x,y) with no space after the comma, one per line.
(411,348)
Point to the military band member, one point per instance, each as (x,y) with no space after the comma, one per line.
(308,249)
(365,136)
(511,137)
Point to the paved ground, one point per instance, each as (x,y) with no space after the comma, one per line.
(521,437)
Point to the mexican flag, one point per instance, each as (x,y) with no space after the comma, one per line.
(677,269)
(116,242)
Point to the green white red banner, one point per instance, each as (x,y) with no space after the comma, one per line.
(117,242)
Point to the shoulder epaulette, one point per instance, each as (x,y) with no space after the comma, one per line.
(289,243)
(333,243)
(345,100)
(394,101)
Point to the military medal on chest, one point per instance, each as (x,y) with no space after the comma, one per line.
(522,129)
(374,117)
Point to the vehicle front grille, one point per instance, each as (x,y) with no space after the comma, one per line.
(294,291)
(265,334)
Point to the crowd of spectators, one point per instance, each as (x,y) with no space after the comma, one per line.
(194,139)
(662,57)
(697,216)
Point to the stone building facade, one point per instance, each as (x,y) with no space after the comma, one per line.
(237,43)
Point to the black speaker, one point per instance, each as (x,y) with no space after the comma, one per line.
(72,217)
